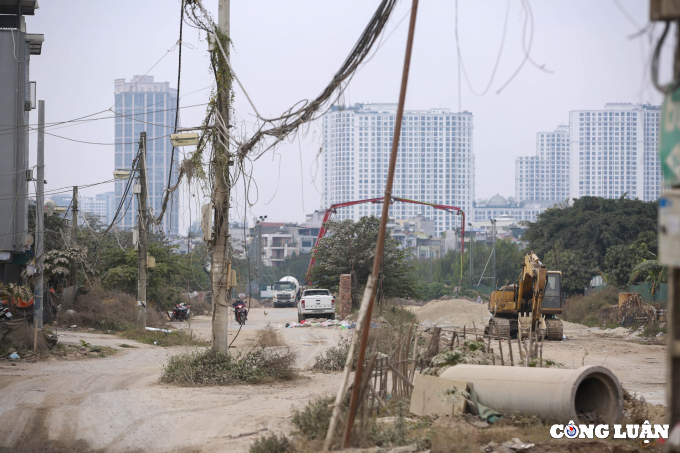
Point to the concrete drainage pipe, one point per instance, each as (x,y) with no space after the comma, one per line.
(590,394)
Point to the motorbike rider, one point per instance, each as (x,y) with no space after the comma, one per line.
(236,304)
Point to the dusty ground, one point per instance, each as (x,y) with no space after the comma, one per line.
(116,404)
(641,368)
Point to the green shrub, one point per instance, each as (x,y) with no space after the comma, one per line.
(586,309)
(653,329)
(272,444)
(209,367)
(312,421)
(160,338)
(334,358)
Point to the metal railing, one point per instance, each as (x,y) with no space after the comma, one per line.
(9,21)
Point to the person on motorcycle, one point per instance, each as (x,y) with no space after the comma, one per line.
(242,304)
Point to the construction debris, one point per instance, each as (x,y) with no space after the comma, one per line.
(469,352)
(631,311)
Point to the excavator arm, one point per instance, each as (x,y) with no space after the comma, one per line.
(531,289)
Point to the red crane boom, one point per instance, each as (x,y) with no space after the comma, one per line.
(334,209)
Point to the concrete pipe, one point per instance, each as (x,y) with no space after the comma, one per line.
(552,394)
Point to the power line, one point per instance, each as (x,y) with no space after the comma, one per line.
(179,78)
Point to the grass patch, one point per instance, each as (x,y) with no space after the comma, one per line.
(104,311)
(158,338)
(398,316)
(382,338)
(125,345)
(268,337)
(311,422)
(65,351)
(653,329)
(586,310)
(273,444)
(209,367)
(334,358)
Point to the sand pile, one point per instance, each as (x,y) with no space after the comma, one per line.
(460,312)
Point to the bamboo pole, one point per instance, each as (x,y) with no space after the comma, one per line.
(519,342)
(512,361)
(500,348)
(531,344)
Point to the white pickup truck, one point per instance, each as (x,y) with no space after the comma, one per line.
(316,303)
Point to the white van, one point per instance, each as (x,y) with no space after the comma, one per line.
(316,303)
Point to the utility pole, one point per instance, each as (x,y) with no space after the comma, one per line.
(74,234)
(221,262)
(493,229)
(471,252)
(259,253)
(39,228)
(142,227)
(665,11)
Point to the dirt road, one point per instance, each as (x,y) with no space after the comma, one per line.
(116,403)
(641,368)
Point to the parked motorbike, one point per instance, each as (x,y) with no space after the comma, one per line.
(5,314)
(181,312)
(240,314)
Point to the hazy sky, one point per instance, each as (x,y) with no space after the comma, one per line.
(286,51)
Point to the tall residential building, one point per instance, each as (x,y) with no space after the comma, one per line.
(435,161)
(603,153)
(545,176)
(100,205)
(145,105)
(614,151)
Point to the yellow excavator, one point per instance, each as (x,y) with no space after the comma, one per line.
(534,301)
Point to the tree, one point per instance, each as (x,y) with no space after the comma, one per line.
(621,259)
(656,273)
(577,269)
(583,234)
(591,226)
(350,247)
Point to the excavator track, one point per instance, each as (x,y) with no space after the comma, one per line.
(555,329)
(500,325)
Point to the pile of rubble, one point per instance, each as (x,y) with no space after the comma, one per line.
(469,352)
(632,311)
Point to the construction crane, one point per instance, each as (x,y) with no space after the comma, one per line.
(333,209)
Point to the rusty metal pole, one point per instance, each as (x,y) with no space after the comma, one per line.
(383,227)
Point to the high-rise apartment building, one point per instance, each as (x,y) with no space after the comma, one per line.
(435,161)
(101,205)
(603,153)
(145,105)
(614,151)
(545,176)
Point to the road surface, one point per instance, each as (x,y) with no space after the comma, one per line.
(116,404)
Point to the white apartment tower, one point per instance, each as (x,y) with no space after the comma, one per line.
(602,153)
(545,176)
(614,151)
(435,161)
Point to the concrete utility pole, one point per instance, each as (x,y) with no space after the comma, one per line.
(142,226)
(493,229)
(39,227)
(471,251)
(669,202)
(221,261)
(74,233)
